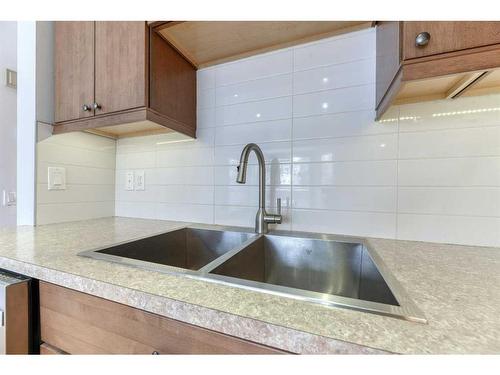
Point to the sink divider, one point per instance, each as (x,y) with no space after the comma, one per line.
(224,257)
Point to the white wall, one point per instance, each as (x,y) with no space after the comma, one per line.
(429,171)
(35,106)
(89,161)
(8,59)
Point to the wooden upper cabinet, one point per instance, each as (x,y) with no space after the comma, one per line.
(448,36)
(455,59)
(74,70)
(167,62)
(120,65)
(131,79)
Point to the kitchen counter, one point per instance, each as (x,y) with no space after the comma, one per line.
(456,287)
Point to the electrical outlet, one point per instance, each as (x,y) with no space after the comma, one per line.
(140,182)
(129,180)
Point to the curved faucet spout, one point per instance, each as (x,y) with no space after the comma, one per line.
(263,218)
(242,167)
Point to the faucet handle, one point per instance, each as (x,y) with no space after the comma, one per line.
(278,204)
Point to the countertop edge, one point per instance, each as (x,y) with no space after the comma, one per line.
(258,331)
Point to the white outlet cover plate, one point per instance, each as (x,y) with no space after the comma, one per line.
(57,178)
(129,180)
(140,183)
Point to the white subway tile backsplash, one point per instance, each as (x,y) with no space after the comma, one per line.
(466,112)
(205,98)
(190,194)
(478,171)
(345,222)
(76,175)
(205,78)
(266,88)
(76,194)
(348,99)
(355,173)
(377,147)
(477,201)
(450,143)
(245,217)
(469,230)
(274,152)
(69,155)
(185,176)
(81,140)
(185,212)
(355,73)
(265,65)
(141,210)
(345,124)
(269,131)
(276,174)
(184,157)
(352,198)
(245,195)
(136,160)
(337,50)
(264,110)
(89,162)
(429,171)
(205,118)
(62,212)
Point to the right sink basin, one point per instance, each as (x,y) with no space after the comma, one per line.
(320,270)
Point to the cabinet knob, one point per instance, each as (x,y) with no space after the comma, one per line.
(86,108)
(96,106)
(422,39)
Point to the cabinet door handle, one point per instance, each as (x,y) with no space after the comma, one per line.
(422,39)
(86,108)
(96,106)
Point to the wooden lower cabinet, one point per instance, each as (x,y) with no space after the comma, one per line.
(77,323)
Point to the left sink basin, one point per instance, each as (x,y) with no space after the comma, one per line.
(186,248)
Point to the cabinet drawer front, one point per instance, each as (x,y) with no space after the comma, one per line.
(448,36)
(74,69)
(79,323)
(120,65)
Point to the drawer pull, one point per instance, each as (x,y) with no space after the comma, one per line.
(422,39)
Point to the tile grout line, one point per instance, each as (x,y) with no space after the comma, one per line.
(396,234)
(290,208)
(213,145)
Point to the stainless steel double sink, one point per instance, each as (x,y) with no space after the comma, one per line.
(318,268)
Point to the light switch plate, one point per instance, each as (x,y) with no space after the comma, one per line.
(9,198)
(129,180)
(11,78)
(57,178)
(140,182)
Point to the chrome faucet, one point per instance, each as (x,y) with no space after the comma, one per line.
(262,219)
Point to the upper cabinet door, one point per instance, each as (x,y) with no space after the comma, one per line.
(447,36)
(120,66)
(74,70)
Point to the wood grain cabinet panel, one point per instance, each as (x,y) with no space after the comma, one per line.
(78,323)
(448,36)
(135,82)
(74,69)
(46,349)
(459,59)
(120,65)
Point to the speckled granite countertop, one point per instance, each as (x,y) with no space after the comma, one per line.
(456,287)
